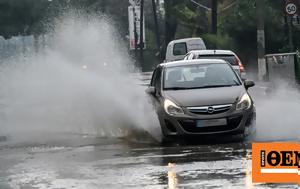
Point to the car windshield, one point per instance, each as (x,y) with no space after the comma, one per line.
(229,58)
(199,76)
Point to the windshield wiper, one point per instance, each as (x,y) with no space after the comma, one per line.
(177,88)
(212,86)
(200,87)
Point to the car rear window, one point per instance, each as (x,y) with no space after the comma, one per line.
(229,58)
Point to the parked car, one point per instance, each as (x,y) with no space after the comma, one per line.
(201,97)
(177,49)
(226,55)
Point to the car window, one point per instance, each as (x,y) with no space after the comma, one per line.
(191,73)
(229,58)
(158,79)
(153,79)
(200,76)
(179,49)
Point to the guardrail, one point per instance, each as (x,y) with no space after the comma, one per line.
(281,54)
(284,66)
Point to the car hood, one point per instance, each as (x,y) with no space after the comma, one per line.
(205,97)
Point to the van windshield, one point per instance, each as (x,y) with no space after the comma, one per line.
(199,76)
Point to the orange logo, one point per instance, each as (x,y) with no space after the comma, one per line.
(276,162)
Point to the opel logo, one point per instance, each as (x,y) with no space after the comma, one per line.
(210,110)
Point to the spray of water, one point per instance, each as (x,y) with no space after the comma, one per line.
(278,113)
(80,83)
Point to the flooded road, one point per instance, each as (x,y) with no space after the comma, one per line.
(87,162)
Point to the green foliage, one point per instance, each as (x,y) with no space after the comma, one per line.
(21,17)
(184,19)
(218,41)
(240,23)
(236,22)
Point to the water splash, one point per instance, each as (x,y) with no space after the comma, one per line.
(278,113)
(80,82)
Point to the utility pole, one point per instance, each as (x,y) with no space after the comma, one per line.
(170,21)
(291,10)
(156,25)
(103,6)
(262,68)
(214,16)
(135,35)
(141,45)
(290,27)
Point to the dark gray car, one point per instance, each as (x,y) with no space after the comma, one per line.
(201,97)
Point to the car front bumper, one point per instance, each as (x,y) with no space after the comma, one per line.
(186,125)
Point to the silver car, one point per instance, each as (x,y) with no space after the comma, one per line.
(226,55)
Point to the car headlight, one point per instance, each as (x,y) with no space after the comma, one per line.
(171,108)
(244,102)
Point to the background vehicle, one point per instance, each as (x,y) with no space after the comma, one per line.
(226,55)
(201,97)
(177,49)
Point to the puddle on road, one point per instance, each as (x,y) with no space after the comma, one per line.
(131,166)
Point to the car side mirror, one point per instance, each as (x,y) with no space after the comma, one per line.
(248,84)
(150,90)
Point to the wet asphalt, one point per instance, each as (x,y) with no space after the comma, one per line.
(88,162)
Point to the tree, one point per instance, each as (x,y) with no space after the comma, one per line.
(21,17)
(184,19)
(171,20)
(240,24)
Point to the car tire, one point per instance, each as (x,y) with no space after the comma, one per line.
(250,132)
(251,136)
(165,140)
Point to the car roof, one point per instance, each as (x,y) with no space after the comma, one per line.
(212,52)
(193,62)
(185,40)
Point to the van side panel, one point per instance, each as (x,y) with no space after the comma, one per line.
(191,44)
(196,45)
(169,52)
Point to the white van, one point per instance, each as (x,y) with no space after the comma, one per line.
(177,49)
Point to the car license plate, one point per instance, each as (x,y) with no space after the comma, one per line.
(211,122)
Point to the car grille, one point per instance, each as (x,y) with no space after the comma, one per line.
(207,110)
(191,125)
